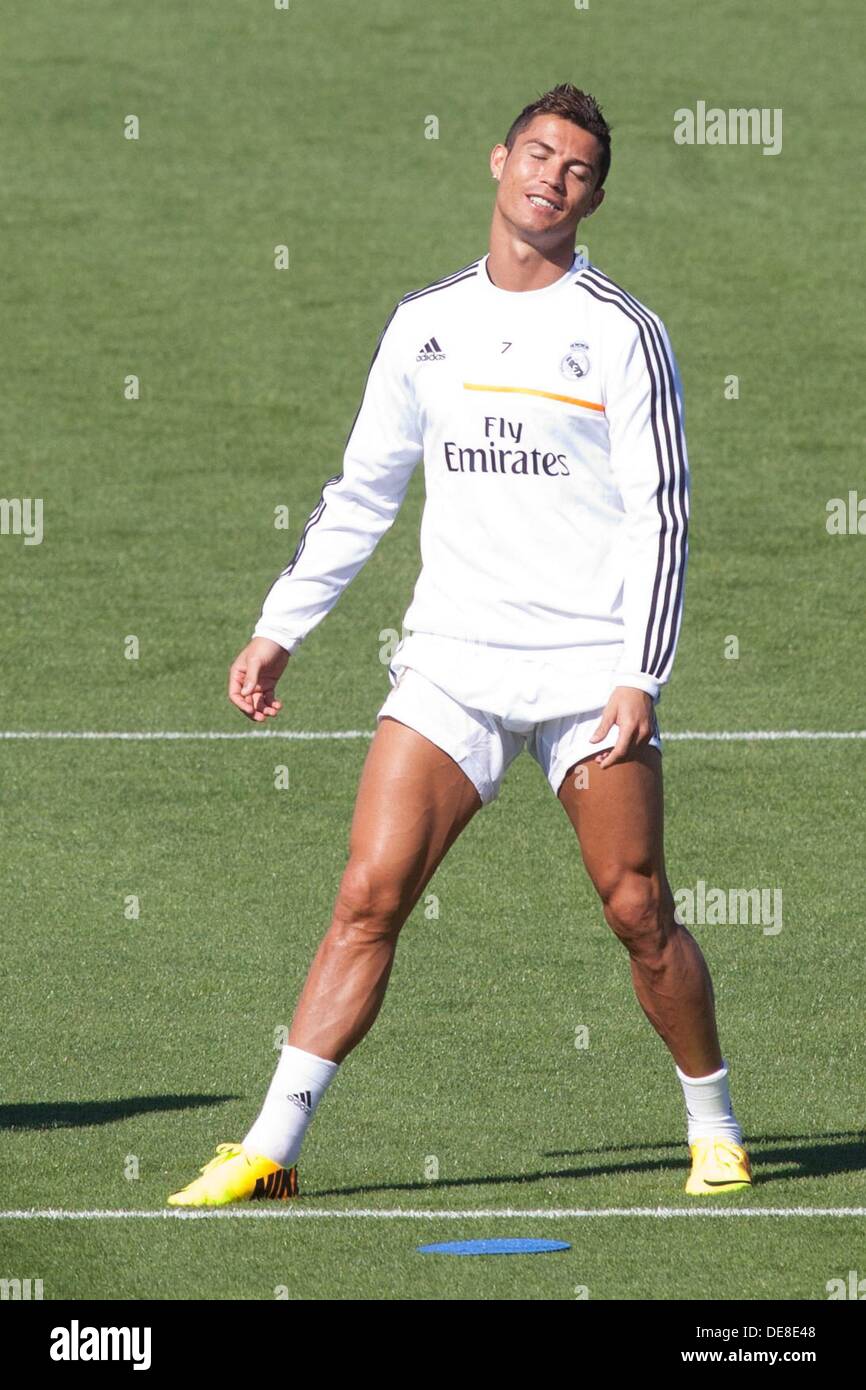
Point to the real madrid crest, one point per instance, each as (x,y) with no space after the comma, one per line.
(575,363)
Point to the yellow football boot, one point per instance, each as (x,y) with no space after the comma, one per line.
(718,1165)
(236,1176)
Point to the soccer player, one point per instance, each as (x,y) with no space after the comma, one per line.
(545,403)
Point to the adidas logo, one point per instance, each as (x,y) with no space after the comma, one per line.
(302,1099)
(431,352)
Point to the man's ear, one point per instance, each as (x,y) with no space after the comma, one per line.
(498,156)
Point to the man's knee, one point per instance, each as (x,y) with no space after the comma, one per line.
(369,902)
(636,907)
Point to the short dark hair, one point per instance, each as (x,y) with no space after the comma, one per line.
(573,105)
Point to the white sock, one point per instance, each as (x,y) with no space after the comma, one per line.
(299,1083)
(708,1106)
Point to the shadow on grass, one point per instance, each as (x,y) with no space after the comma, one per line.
(775,1157)
(77,1114)
(797,1155)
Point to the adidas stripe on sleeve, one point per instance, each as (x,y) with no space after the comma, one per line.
(356,507)
(649,461)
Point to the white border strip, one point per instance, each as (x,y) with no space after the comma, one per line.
(290,1212)
(168,735)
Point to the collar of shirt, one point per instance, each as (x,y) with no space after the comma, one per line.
(487,287)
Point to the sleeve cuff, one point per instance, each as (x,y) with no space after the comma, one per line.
(638,681)
(276,634)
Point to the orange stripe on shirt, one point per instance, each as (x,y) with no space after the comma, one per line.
(530,391)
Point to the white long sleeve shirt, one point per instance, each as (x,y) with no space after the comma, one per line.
(554,532)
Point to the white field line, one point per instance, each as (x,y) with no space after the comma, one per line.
(136,736)
(292,1213)
(169,735)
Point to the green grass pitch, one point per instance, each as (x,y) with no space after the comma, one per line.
(135,1045)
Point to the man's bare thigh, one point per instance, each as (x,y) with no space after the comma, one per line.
(618,814)
(413,801)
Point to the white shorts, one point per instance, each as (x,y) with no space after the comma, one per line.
(485,745)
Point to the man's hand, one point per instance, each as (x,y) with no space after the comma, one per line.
(253,675)
(632,711)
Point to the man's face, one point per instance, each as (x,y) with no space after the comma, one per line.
(547,180)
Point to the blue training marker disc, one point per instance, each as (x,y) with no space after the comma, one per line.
(508,1245)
